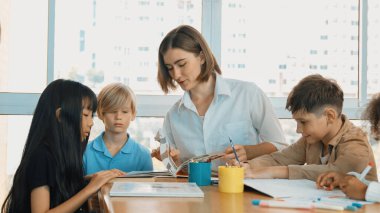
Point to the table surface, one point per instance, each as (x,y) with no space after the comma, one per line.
(213,201)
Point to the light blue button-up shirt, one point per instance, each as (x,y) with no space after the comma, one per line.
(132,157)
(240,111)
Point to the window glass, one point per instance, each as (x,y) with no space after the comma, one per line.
(289,126)
(276,43)
(23,46)
(89,49)
(373,46)
(13,131)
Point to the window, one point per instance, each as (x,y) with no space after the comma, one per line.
(23,53)
(373,48)
(14,130)
(273,43)
(125,49)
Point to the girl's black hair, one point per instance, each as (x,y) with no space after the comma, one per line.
(372,114)
(62,137)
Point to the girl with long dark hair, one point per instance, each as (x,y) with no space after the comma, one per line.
(50,175)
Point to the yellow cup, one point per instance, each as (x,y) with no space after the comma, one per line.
(231,179)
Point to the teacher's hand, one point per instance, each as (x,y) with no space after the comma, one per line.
(174,154)
(240,151)
(156,153)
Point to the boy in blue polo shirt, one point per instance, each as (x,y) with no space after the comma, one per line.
(114,148)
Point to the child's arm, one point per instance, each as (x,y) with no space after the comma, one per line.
(40,196)
(353,154)
(266,172)
(291,155)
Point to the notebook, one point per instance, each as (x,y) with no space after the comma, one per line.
(156,189)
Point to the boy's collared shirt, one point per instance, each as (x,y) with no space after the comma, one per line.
(131,157)
(350,151)
(240,111)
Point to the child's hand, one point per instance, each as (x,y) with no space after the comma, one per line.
(353,187)
(100,178)
(240,151)
(248,171)
(329,180)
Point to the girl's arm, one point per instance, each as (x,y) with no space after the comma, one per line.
(40,196)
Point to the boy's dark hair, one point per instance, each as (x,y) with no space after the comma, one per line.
(372,114)
(313,93)
(188,39)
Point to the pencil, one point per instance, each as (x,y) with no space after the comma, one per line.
(233,149)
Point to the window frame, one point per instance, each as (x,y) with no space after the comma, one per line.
(158,105)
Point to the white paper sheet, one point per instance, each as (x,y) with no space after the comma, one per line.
(284,188)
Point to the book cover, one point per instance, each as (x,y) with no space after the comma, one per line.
(156,189)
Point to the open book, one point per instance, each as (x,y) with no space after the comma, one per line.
(173,170)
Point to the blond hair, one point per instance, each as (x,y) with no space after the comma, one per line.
(114,96)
